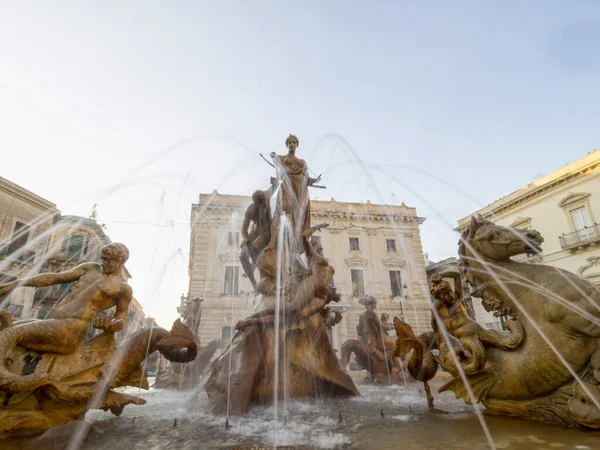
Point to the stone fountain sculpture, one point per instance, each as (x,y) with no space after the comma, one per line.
(50,376)
(374,351)
(291,308)
(422,364)
(187,375)
(547,366)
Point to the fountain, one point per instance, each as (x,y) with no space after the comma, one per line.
(279,381)
(49,376)
(282,350)
(547,366)
(374,351)
(187,375)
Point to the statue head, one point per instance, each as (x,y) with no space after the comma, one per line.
(316,245)
(497,243)
(385,317)
(259,197)
(292,143)
(368,301)
(440,289)
(113,257)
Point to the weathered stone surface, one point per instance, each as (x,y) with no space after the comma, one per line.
(284,344)
(374,351)
(548,367)
(49,376)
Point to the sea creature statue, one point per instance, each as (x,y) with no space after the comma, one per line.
(374,352)
(187,375)
(49,376)
(422,365)
(451,314)
(284,346)
(553,375)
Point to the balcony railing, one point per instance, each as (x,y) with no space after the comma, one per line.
(585,236)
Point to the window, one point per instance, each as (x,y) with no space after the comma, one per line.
(233,239)
(226,333)
(19,238)
(44,312)
(390,245)
(354,244)
(396,283)
(63,290)
(231,280)
(583,224)
(75,247)
(358,288)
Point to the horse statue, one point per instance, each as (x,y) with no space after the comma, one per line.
(375,352)
(553,374)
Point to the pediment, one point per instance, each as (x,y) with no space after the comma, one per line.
(393,263)
(230,256)
(521,222)
(356,261)
(573,197)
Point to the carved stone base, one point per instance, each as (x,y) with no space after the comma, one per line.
(312,369)
(569,406)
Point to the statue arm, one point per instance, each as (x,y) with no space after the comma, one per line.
(246,223)
(312,181)
(273,188)
(309,232)
(458,289)
(46,279)
(122,308)
(434,323)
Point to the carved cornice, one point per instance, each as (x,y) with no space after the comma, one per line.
(591,262)
(230,256)
(489,214)
(521,222)
(369,217)
(394,263)
(356,261)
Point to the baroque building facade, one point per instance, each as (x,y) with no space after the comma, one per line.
(375,250)
(564,206)
(26,222)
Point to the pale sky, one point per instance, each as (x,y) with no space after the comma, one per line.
(140,106)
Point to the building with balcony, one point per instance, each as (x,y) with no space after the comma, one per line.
(564,207)
(26,226)
(375,250)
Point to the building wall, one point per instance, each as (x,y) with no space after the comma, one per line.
(545,205)
(136,318)
(53,243)
(18,260)
(215,216)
